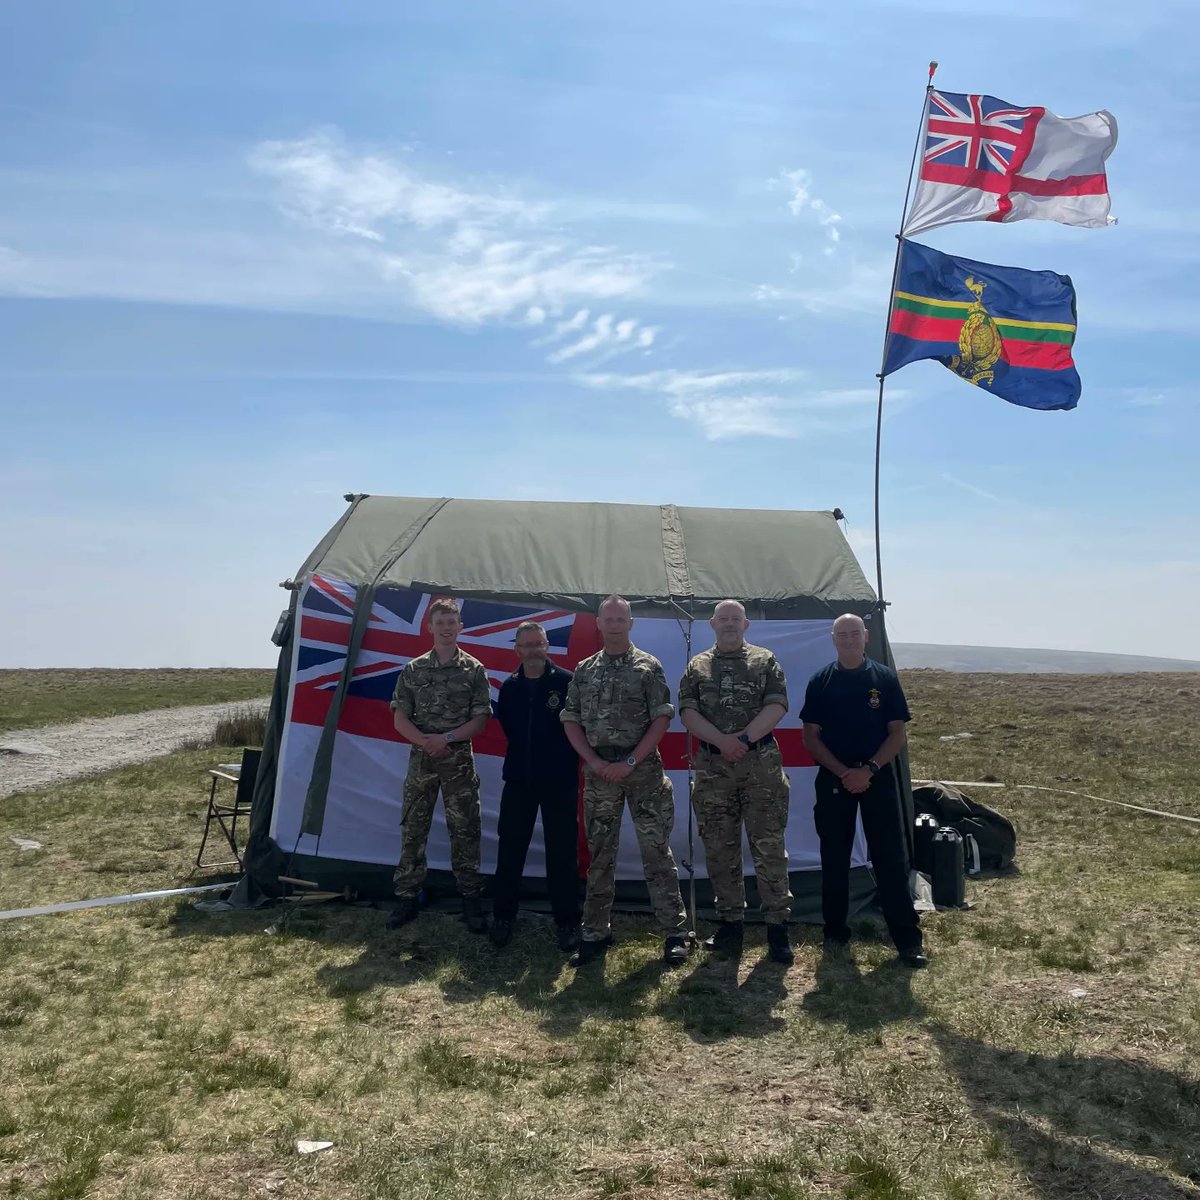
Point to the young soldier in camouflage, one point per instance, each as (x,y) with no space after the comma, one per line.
(618,707)
(731,697)
(441,702)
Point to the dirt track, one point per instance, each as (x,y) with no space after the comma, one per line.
(32,758)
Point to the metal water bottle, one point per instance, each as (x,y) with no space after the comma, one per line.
(949,886)
(924,829)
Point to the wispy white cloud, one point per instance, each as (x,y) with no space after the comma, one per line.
(327,184)
(974,489)
(803,203)
(464,254)
(765,403)
(1144,397)
(605,337)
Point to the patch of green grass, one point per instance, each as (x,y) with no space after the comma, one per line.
(1070,952)
(29,698)
(783,1176)
(871,1178)
(447,1065)
(622,1183)
(1005,935)
(17,1003)
(236,1071)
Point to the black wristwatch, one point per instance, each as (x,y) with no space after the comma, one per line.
(743,739)
(872,766)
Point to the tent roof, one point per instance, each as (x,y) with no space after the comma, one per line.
(573,555)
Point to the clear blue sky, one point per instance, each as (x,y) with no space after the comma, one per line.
(256,256)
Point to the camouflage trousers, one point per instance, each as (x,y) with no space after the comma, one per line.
(652,807)
(455,777)
(753,793)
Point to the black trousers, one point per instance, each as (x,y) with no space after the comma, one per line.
(882,823)
(519,804)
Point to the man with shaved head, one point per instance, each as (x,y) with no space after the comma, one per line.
(854,714)
(732,697)
(618,708)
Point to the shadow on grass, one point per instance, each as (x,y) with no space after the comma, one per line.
(845,996)
(1063,1116)
(709,1003)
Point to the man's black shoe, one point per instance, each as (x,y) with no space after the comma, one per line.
(914,959)
(675,950)
(569,936)
(835,947)
(407,909)
(590,952)
(501,932)
(727,941)
(779,946)
(473,914)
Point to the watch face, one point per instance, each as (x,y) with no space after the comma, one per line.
(631,761)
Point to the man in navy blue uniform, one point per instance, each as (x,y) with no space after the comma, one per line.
(541,770)
(854,714)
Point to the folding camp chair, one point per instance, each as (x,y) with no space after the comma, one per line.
(223,811)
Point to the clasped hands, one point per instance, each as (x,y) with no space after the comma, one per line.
(435,745)
(611,772)
(857,780)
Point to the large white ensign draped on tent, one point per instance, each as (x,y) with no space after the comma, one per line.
(362,812)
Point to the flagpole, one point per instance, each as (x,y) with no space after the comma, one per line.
(887,326)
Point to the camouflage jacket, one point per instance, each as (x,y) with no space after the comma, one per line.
(438,697)
(731,689)
(615,697)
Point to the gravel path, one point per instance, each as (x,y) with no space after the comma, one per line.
(32,758)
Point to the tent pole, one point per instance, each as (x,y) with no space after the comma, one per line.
(887,325)
(691,780)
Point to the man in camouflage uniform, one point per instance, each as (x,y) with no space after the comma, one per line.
(731,697)
(618,707)
(441,702)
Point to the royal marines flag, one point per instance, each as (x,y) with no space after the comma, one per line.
(987,160)
(1006,330)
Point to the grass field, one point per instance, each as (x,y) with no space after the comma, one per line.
(36,697)
(150,1051)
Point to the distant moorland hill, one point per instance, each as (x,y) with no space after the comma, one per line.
(1013,660)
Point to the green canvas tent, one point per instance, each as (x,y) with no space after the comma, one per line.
(327,793)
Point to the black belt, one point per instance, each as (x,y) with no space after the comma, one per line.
(614,753)
(766,740)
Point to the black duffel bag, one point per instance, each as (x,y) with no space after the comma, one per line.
(993,833)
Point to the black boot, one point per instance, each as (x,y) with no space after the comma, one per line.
(501,932)
(473,914)
(590,952)
(779,946)
(675,950)
(914,957)
(727,941)
(569,936)
(407,909)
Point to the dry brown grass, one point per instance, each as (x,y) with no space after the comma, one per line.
(150,1051)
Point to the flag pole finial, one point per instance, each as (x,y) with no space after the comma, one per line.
(932,68)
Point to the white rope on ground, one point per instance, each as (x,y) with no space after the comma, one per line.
(960,782)
(1154,812)
(106,901)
